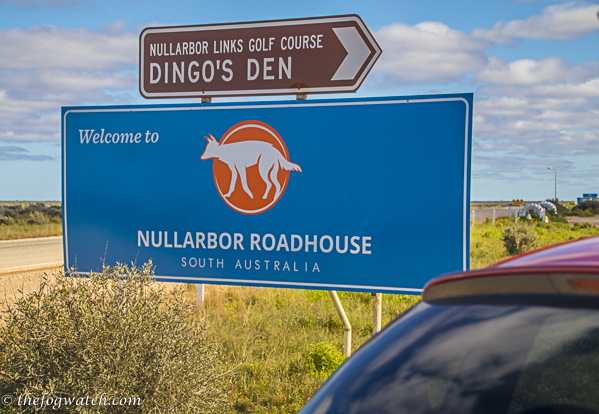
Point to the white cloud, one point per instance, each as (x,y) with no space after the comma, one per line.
(544,127)
(563,92)
(526,112)
(44,68)
(48,47)
(28,121)
(428,52)
(514,139)
(557,22)
(545,108)
(11,153)
(532,113)
(67,85)
(529,71)
(511,164)
(588,89)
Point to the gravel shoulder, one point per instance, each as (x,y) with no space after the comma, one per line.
(580,220)
(15,285)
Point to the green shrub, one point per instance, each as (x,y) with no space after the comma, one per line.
(324,358)
(8,212)
(37,218)
(592,206)
(562,210)
(556,218)
(7,221)
(54,212)
(586,209)
(585,225)
(587,213)
(32,208)
(116,333)
(519,238)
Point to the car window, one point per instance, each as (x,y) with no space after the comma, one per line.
(562,366)
(468,359)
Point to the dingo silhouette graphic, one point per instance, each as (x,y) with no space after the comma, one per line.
(256,154)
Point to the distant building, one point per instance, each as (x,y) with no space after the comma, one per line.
(587,197)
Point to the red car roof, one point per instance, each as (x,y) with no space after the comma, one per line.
(581,252)
(576,258)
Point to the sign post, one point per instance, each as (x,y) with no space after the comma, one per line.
(300,56)
(377,312)
(268,194)
(346,325)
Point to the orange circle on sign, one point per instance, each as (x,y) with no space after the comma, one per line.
(251,167)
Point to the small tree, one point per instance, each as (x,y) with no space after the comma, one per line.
(116,333)
(562,210)
(519,238)
(591,208)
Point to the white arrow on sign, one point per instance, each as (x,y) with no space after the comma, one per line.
(357,53)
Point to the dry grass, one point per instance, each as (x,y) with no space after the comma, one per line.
(486,239)
(15,285)
(266,335)
(29,231)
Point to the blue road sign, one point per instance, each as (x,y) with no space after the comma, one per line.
(321,194)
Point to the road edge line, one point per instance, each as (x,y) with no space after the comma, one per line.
(31,268)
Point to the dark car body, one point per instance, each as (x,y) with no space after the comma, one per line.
(521,336)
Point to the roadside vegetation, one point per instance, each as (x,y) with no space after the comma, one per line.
(247,350)
(584,209)
(29,220)
(490,243)
(272,348)
(284,343)
(118,335)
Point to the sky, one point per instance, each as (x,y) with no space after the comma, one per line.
(533,67)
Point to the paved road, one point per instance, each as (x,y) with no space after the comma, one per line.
(30,252)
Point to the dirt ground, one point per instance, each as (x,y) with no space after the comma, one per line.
(13,285)
(594,220)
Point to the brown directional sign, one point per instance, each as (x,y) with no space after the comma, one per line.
(315,55)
